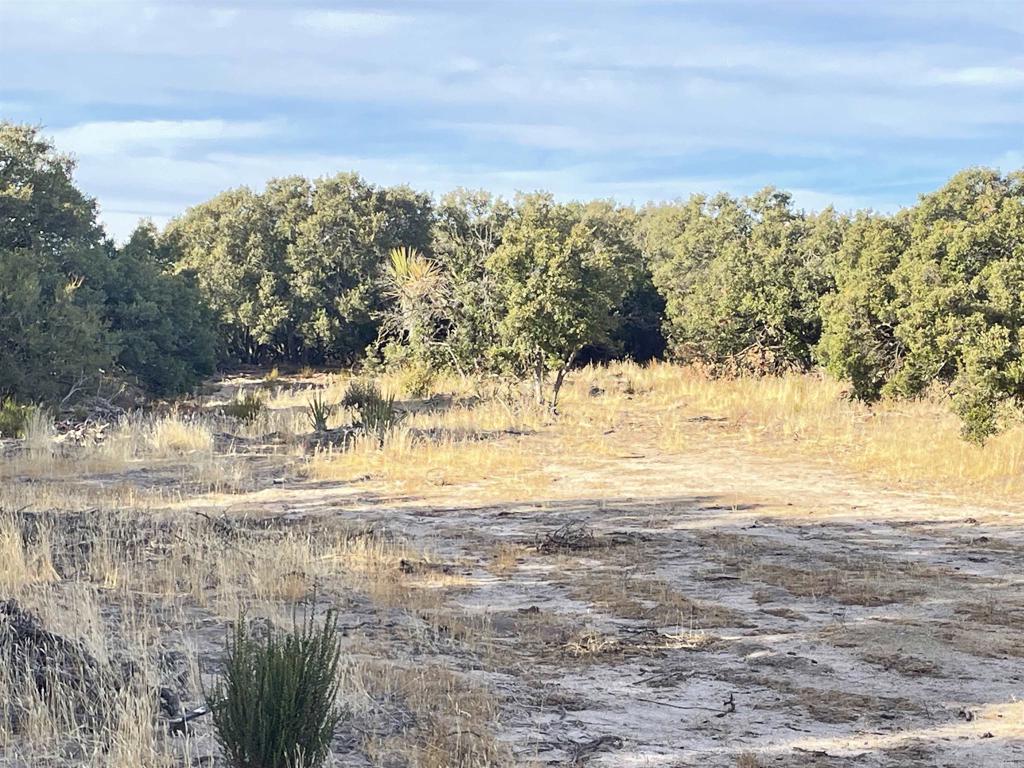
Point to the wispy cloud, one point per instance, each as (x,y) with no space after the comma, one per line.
(983,76)
(348,22)
(166,103)
(132,137)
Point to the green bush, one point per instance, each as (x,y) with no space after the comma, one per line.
(74,307)
(246,407)
(377,412)
(14,417)
(935,295)
(742,279)
(274,705)
(417,379)
(359,393)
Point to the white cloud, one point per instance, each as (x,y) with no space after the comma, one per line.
(1011,160)
(816,200)
(349,22)
(983,76)
(153,136)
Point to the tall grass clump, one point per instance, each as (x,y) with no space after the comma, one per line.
(274,706)
(173,435)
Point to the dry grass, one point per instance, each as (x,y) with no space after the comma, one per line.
(23,562)
(915,443)
(749,760)
(490,438)
(110,724)
(416,463)
(426,717)
(647,599)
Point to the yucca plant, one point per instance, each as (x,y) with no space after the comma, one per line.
(379,415)
(318,411)
(274,705)
(412,276)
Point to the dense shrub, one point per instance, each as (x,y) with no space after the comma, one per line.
(294,272)
(358,393)
(14,417)
(166,334)
(560,273)
(247,407)
(274,705)
(742,279)
(936,295)
(377,412)
(315,271)
(72,304)
(53,268)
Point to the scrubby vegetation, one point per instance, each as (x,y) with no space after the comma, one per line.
(340,271)
(275,705)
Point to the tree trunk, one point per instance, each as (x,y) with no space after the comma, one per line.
(538,378)
(560,377)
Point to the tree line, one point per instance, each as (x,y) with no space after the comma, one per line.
(336,270)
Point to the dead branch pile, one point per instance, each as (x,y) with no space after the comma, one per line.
(578,537)
(43,664)
(571,537)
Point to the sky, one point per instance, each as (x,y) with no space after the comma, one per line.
(855,103)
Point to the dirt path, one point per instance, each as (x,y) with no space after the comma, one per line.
(705,605)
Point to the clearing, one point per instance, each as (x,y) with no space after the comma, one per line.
(583,591)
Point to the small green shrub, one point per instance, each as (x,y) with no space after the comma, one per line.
(14,417)
(246,407)
(377,412)
(274,705)
(359,393)
(417,379)
(318,411)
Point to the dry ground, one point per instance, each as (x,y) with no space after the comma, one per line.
(658,577)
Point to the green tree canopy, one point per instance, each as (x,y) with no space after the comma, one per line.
(73,306)
(936,294)
(295,272)
(742,279)
(53,266)
(167,335)
(560,272)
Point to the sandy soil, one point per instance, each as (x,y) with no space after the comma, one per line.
(714,603)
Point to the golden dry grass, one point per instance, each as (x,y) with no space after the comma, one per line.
(607,411)
(23,562)
(411,463)
(913,444)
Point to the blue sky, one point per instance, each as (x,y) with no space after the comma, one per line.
(856,103)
